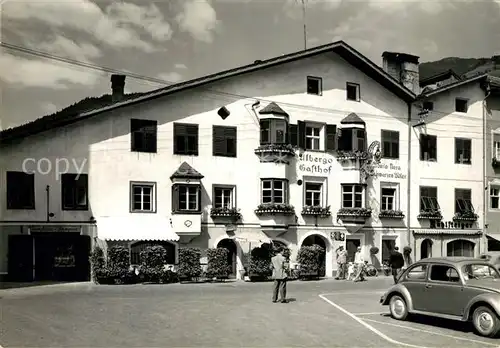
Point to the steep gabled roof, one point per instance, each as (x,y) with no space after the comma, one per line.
(428,92)
(345,51)
(185,171)
(273,109)
(439,77)
(352,118)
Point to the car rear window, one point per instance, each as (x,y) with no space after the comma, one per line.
(443,273)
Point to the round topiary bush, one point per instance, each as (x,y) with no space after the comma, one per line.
(374,250)
(218,266)
(407,250)
(311,260)
(153,260)
(260,263)
(189,263)
(119,264)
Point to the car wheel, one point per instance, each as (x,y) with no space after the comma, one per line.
(485,322)
(398,307)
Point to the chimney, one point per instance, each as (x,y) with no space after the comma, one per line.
(117,87)
(404,68)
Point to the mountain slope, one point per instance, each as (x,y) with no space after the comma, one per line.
(465,67)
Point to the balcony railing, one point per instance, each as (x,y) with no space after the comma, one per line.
(275,152)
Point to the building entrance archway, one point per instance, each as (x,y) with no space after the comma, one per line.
(321,241)
(460,247)
(426,249)
(230,245)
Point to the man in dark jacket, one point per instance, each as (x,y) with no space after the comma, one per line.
(396,261)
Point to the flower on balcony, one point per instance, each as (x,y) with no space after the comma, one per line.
(225,212)
(465,216)
(430,215)
(351,154)
(354,212)
(273,208)
(495,163)
(391,214)
(285,148)
(316,210)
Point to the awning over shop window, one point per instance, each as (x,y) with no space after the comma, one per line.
(453,232)
(145,227)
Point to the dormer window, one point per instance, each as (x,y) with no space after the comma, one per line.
(352,134)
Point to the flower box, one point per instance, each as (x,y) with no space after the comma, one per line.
(430,215)
(354,212)
(351,155)
(274,152)
(316,211)
(465,216)
(225,212)
(275,209)
(391,214)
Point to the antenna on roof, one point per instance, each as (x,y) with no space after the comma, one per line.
(305,22)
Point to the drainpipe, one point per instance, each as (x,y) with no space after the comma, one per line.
(485,170)
(47,189)
(408,180)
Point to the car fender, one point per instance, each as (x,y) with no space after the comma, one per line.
(492,299)
(400,289)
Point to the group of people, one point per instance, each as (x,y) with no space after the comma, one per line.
(281,269)
(355,270)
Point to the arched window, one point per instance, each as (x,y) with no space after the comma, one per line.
(460,247)
(136,248)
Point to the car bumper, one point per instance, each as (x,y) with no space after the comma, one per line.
(382,299)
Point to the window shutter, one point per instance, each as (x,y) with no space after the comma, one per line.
(231,141)
(219,145)
(175,198)
(301,134)
(293,134)
(198,197)
(330,140)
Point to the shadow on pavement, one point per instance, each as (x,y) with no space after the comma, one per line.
(14,285)
(437,322)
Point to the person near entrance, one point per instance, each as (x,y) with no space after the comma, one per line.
(341,263)
(359,263)
(280,267)
(396,261)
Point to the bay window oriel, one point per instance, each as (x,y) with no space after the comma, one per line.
(352,139)
(273,131)
(274,191)
(186,198)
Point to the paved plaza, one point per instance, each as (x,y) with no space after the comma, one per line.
(323,313)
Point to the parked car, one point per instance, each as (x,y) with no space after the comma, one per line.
(457,288)
(493,259)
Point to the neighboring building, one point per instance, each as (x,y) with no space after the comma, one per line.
(492,165)
(439,80)
(447,175)
(290,143)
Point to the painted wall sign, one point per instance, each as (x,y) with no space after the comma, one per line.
(315,164)
(389,171)
(54,229)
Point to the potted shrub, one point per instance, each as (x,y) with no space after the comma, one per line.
(100,273)
(189,263)
(218,266)
(119,264)
(311,260)
(407,255)
(153,260)
(260,264)
(374,250)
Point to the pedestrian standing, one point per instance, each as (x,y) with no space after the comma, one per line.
(359,262)
(280,267)
(341,263)
(397,261)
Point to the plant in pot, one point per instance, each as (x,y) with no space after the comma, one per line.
(218,266)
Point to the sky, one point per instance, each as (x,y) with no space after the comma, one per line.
(176,40)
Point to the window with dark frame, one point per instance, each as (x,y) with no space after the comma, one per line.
(461,105)
(495,197)
(186,198)
(314,85)
(428,105)
(143,135)
(463,201)
(313,194)
(74,188)
(185,139)
(274,191)
(352,196)
(143,198)
(273,131)
(223,197)
(313,136)
(428,199)
(352,91)
(390,144)
(463,150)
(352,139)
(388,201)
(428,147)
(224,141)
(20,191)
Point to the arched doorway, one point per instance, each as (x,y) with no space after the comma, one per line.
(136,248)
(426,249)
(460,247)
(318,240)
(230,245)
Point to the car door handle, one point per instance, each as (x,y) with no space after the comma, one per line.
(428,286)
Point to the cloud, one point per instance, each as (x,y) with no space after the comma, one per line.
(49,108)
(116,26)
(67,48)
(39,73)
(180,66)
(173,77)
(199,19)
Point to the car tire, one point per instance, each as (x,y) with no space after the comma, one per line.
(485,321)
(398,307)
